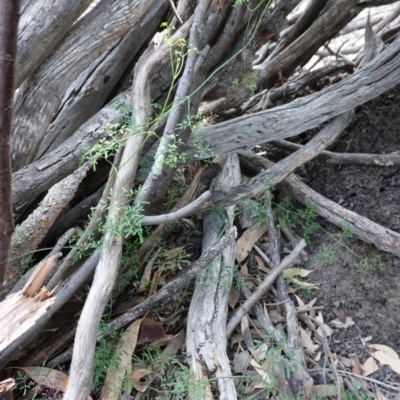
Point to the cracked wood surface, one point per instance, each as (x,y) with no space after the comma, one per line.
(39,98)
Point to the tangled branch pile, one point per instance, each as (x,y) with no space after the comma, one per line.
(116,101)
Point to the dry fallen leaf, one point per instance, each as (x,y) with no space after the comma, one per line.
(263,374)
(340,325)
(261,266)
(291,272)
(370,366)
(246,242)
(327,329)
(307,342)
(384,359)
(48,377)
(242,362)
(386,349)
(150,331)
(233,298)
(141,379)
(123,354)
(302,284)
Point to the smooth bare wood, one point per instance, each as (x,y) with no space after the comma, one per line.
(64,292)
(41,95)
(42,25)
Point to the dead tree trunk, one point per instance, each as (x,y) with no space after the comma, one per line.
(9,16)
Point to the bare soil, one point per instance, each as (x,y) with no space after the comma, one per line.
(371,299)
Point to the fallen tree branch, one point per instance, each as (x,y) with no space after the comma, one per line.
(262,288)
(383,160)
(80,378)
(9,16)
(363,228)
(205,333)
(177,284)
(190,209)
(326,25)
(257,185)
(165,293)
(32,231)
(64,292)
(375,78)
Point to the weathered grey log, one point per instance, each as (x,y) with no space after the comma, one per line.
(42,25)
(32,231)
(41,95)
(378,76)
(39,176)
(88,93)
(266,98)
(266,179)
(206,337)
(328,23)
(245,132)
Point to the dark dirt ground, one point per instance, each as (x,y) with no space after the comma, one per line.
(371,299)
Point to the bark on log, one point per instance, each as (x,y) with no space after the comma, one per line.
(42,25)
(40,96)
(9,16)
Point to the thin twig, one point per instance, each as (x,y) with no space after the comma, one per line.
(259,292)
(176,12)
(190,209)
